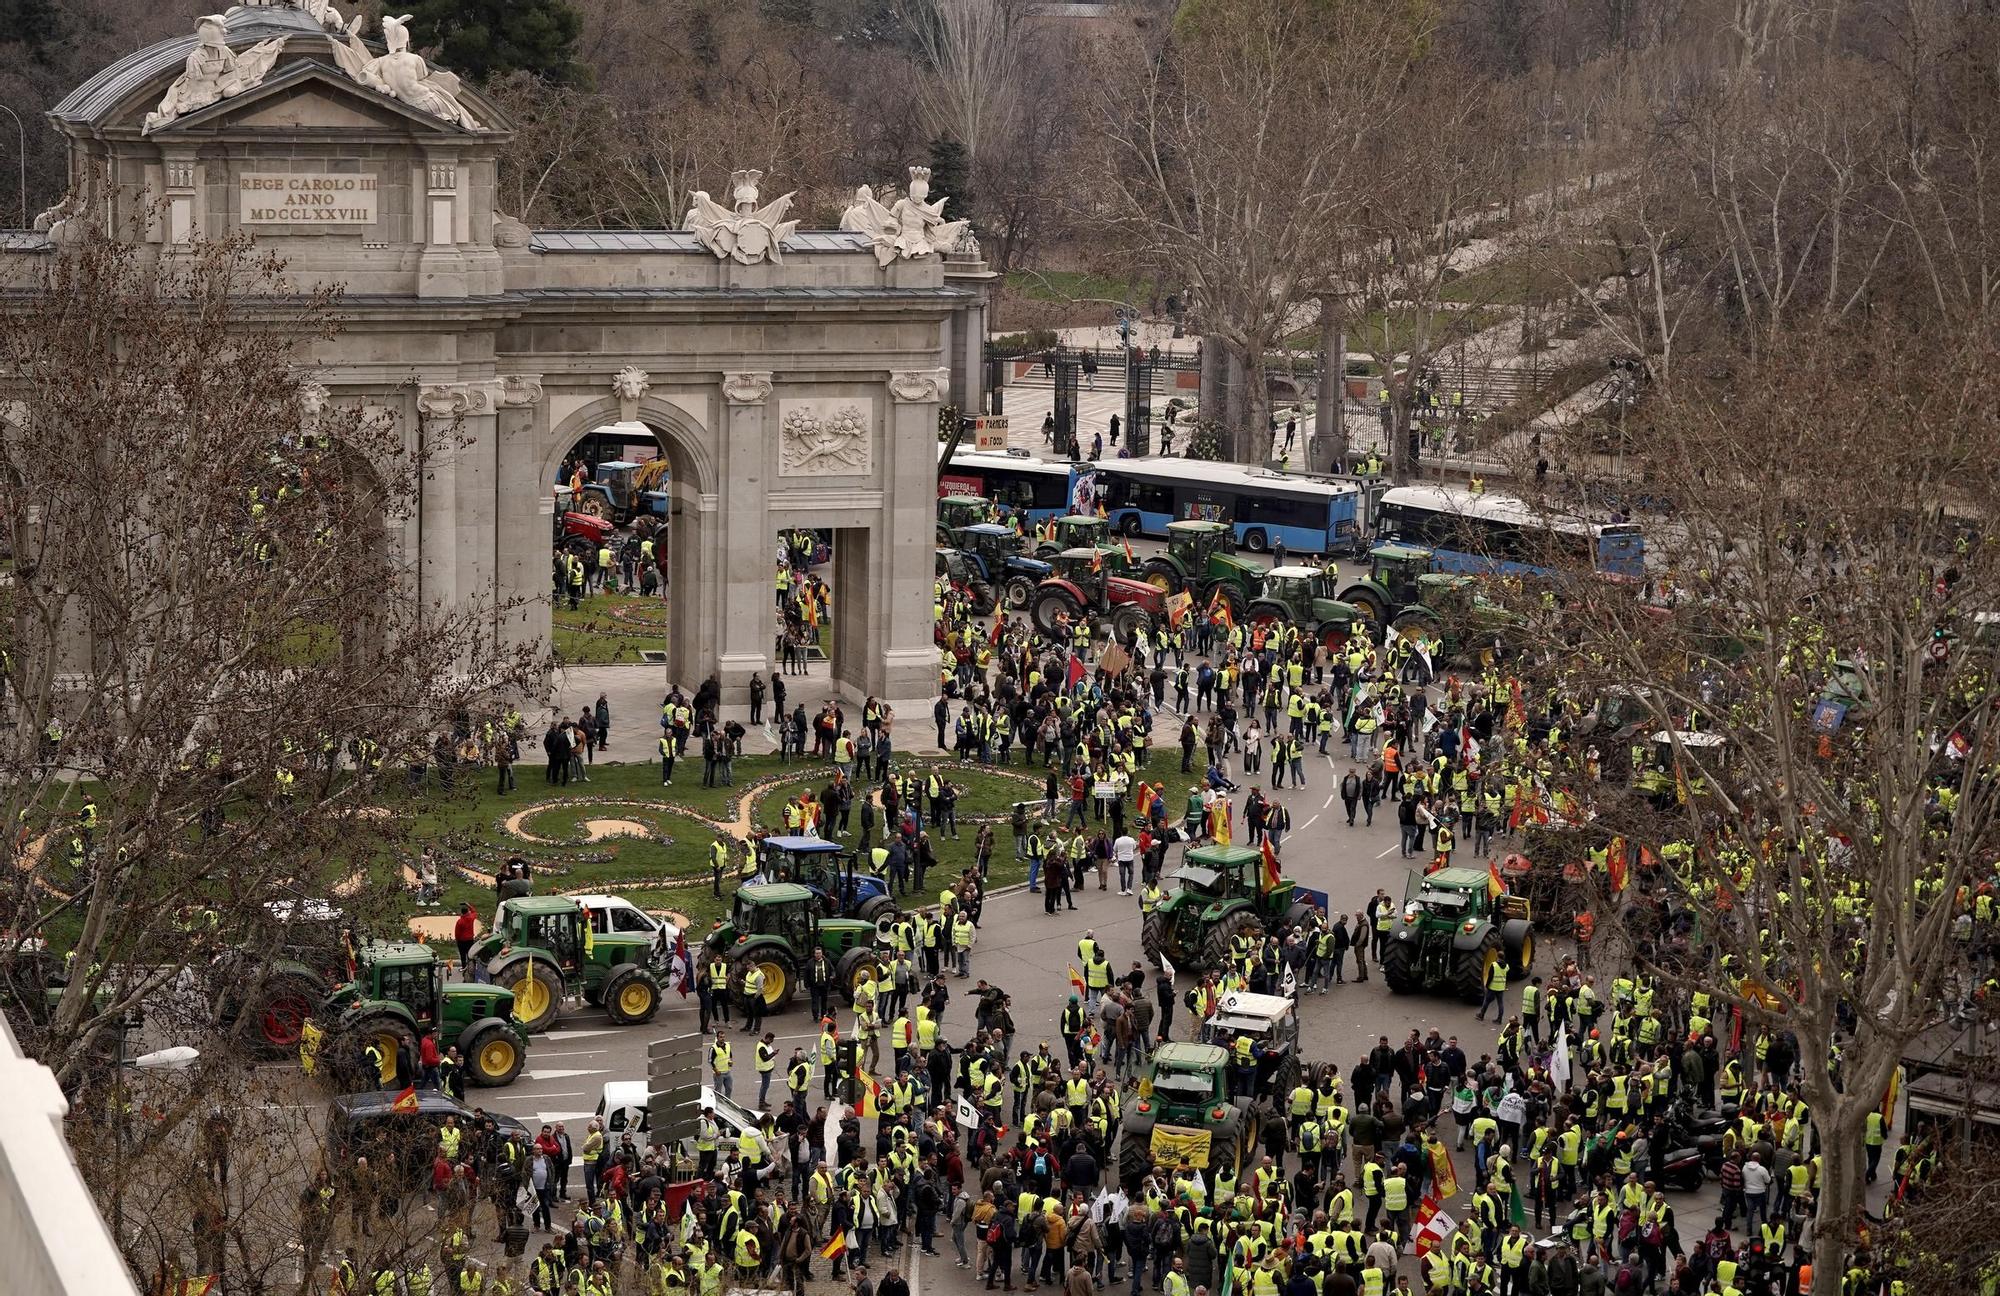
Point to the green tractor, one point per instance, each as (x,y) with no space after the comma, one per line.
(1209,900)
(1392,582)
(1076,531)
(397,995)
(1451,610)
(1184,1113)
(1303,597)
(1452,932)
(540,945)
(1200,560)
(955,511)
(775,927)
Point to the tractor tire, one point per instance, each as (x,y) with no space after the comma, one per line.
(984,601)
(1047,549)
(1127,621)
(1469,967)
(1368,602)
(1232,598)
(875,908)
(1156,936)
(781,976)
(848,974)
(1399,967)
(492,1056)
(1049,604)
(392,1036)
(1161,575)
(1018,591)
(1517,939)
(538,1007)
(943,537)
(1300,913)
(631,995)
(1225,1150)
(1266,613)
(1135,1158)
(1215,949)
(274,1015)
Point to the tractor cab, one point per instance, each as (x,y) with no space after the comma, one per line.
(1083,568)
(401,972)
(955,511)
(992,543)
(1295,587)
(621,490)
(1399,570)
(1271,1022)
(1186,1081)
(784,910)
(1081,531)
(1192,542)
(553,923)
(826,870)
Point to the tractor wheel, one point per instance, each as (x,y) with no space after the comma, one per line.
(1266,614)
(538,992)
(1215,950)
(1399,967)
(1370,604)
(1135,1159)
(1517,939)
(1047,549)
(875,908)
(1156,938)
(1225,1150)
(492,1056)
(1052,603)
(943,537)
(276,1012)
(391,1036)
(1019,590)
(596,506)
(855,967)
(1300,913)
(1161,575)
(781,976)
(1469,968)
(983,599)
(631,995)
(1128,620)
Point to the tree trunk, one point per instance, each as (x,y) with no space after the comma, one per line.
(1255,446)
(1330,414)
(1399,431)
(1842,1192)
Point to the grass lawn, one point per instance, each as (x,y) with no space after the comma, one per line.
(666,865)
(609,629)
(1076,285)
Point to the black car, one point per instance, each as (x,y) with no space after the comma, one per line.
(368,1124)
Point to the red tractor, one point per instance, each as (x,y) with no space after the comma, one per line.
(579,533)
(1080,585)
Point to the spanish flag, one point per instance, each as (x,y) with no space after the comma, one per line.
(1097,562)
(1218,822)
(1218,610)
(406,1101)
(871,1094)
(837,1247)
(1269,881)
(1129,559)
(1076,980)
(589,936)
(1495,888)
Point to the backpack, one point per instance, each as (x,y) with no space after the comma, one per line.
(1166,1231)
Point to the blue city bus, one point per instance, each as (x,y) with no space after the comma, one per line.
(1468,532)
(1017,481)
(1309,515)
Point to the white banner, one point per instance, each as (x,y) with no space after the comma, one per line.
(968,1115)
(1559,1059)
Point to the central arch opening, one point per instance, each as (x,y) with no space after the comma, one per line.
(611,548)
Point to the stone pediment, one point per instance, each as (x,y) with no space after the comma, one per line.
(307,95)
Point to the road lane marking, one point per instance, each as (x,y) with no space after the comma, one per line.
(562,1075)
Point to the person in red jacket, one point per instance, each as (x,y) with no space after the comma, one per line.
(427,1059)
(465,931)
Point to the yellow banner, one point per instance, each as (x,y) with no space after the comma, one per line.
(310,1037)
(1172,1146)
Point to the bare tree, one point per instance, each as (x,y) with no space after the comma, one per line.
(1233,160)
(1804,867)
(211,649)
(972,51)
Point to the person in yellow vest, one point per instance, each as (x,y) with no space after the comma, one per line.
(719,1054)
(1496,990)
(767,1063)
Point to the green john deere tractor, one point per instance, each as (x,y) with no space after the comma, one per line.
(541,945)
(1303,597)
(1451,933)
(1451,611)
(1213,897)
(954,511)
(1201,560)
(775,926)
(1391,583)
(397,995)
(1184,1113)
(1075,531)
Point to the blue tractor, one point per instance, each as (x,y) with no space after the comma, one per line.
(995,553)
(817,865)
(623,490)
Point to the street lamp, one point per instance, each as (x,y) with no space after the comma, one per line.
(21,137)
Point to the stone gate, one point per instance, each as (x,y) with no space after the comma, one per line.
(794,377)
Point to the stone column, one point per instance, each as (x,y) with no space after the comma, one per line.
(1329,415)
(521,533)
(741,642)
(901,646)
(441,407)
